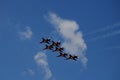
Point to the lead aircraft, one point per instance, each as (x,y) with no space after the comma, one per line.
(45,40)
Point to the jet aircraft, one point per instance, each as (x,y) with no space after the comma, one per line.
(47,40)
(55,47)
(60,49)
(63,55)
(73,57)
(48,47)
(57,44)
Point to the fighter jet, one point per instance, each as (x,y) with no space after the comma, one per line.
(57,44)
(48,47)
(63,55)
(47,40)
(60,49)
(73,57)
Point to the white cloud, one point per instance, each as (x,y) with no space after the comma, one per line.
(106,32)
(73,39)
(106,35)
(27,34)
(41,60)
(31,72)
(109,27)
(28,71)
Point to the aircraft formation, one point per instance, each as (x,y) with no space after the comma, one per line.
(56,47)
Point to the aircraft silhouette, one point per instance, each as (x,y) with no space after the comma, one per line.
(48,47)
(73,57)
(63,55)
(60,49)
(57,44)
(45,40)
(55,47)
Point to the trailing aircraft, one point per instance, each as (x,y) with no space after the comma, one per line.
(57,44)
(60,49)
(63,55)
(73,57)
(48,47)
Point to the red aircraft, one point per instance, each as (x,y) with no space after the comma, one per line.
(60,49)
(45,40)
(73,57)
(48,47)
(57,44)
(63,55)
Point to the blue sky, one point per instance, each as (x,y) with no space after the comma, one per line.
(89,28)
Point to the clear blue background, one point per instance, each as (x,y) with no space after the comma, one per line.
(17,55)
